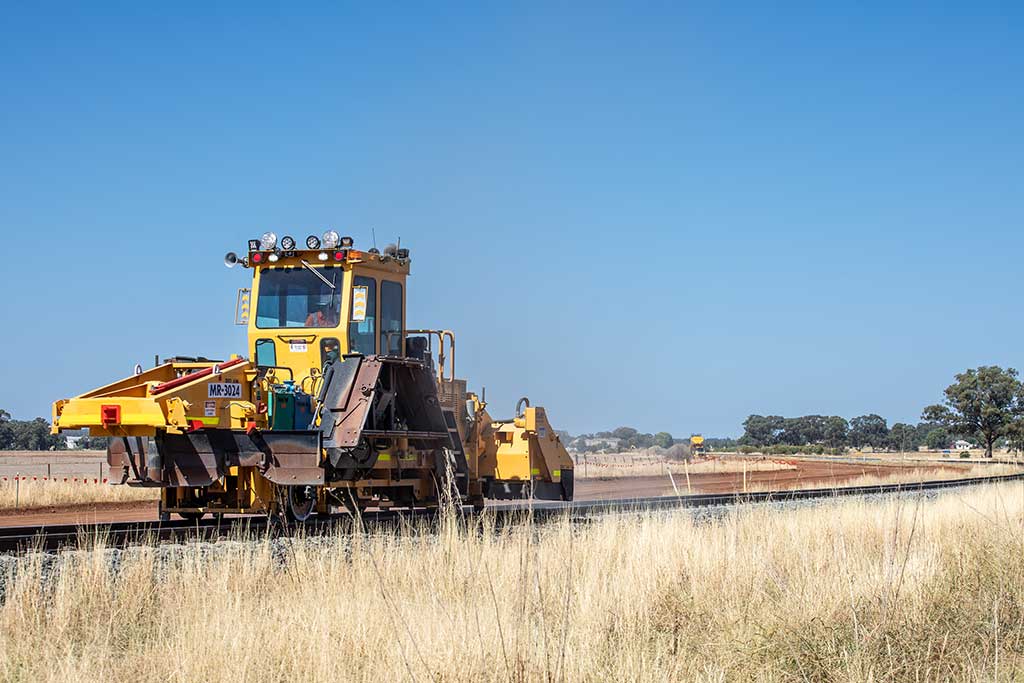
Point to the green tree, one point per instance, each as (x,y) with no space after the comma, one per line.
(937,439)
(836,431)
(663,440)
(6,434)
(1015,435)
(869,430)
(34,435)
(625,433)
(761,430)
(984,401)
(903,437)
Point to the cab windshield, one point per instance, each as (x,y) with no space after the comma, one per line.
(295,297)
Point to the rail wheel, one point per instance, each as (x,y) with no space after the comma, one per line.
(301,503)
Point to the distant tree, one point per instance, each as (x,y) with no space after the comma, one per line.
(663,440)
(6,434)
(34,435)
(96,443)
(869,430)
(983,402)
(624,433)
(719,443)
(1014,438)
(794,431)
(923,429)
(903,437)
(836,431)
(762,430)
(937,439)
(641,441)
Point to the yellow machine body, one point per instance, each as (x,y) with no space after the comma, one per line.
(253,435)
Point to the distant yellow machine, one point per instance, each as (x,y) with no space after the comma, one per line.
(338,404)
(696,445)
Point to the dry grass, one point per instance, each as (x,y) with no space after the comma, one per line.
(41,494)
(909,590)
(624,465)
(84,454)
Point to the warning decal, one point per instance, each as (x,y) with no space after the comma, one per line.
(359,296)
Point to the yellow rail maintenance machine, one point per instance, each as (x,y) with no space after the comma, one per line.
(337,405)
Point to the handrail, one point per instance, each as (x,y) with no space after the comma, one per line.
(441,336)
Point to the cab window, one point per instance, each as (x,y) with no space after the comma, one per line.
(362,334)
(266,354)
(295,297)
(390,318)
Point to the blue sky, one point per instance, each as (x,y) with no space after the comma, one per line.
(665,215)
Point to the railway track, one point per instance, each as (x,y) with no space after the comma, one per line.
(53,537)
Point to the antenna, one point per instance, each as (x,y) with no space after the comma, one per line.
(374,233)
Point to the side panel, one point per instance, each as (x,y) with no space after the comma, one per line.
(200,458)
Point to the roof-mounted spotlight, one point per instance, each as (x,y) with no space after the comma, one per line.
(331,239)
(273,257)
(374,250)
(312,242)
(268,241)
(403,253)
(287,243)
(346,242)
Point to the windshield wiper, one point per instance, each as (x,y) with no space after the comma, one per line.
(313,270)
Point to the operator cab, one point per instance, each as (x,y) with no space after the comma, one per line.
(315,304)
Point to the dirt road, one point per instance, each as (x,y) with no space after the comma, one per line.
(806,472)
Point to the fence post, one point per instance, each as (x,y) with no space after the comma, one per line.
(672,479)
(17,489)
(48,471)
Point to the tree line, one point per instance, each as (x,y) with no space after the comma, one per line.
(836,433)
(27,435)
(984,404)
(621,437)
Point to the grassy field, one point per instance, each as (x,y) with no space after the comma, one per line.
(628,465)
(75,455)
(907,590)
(43,494)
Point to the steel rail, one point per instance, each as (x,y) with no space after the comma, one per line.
(51,537)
